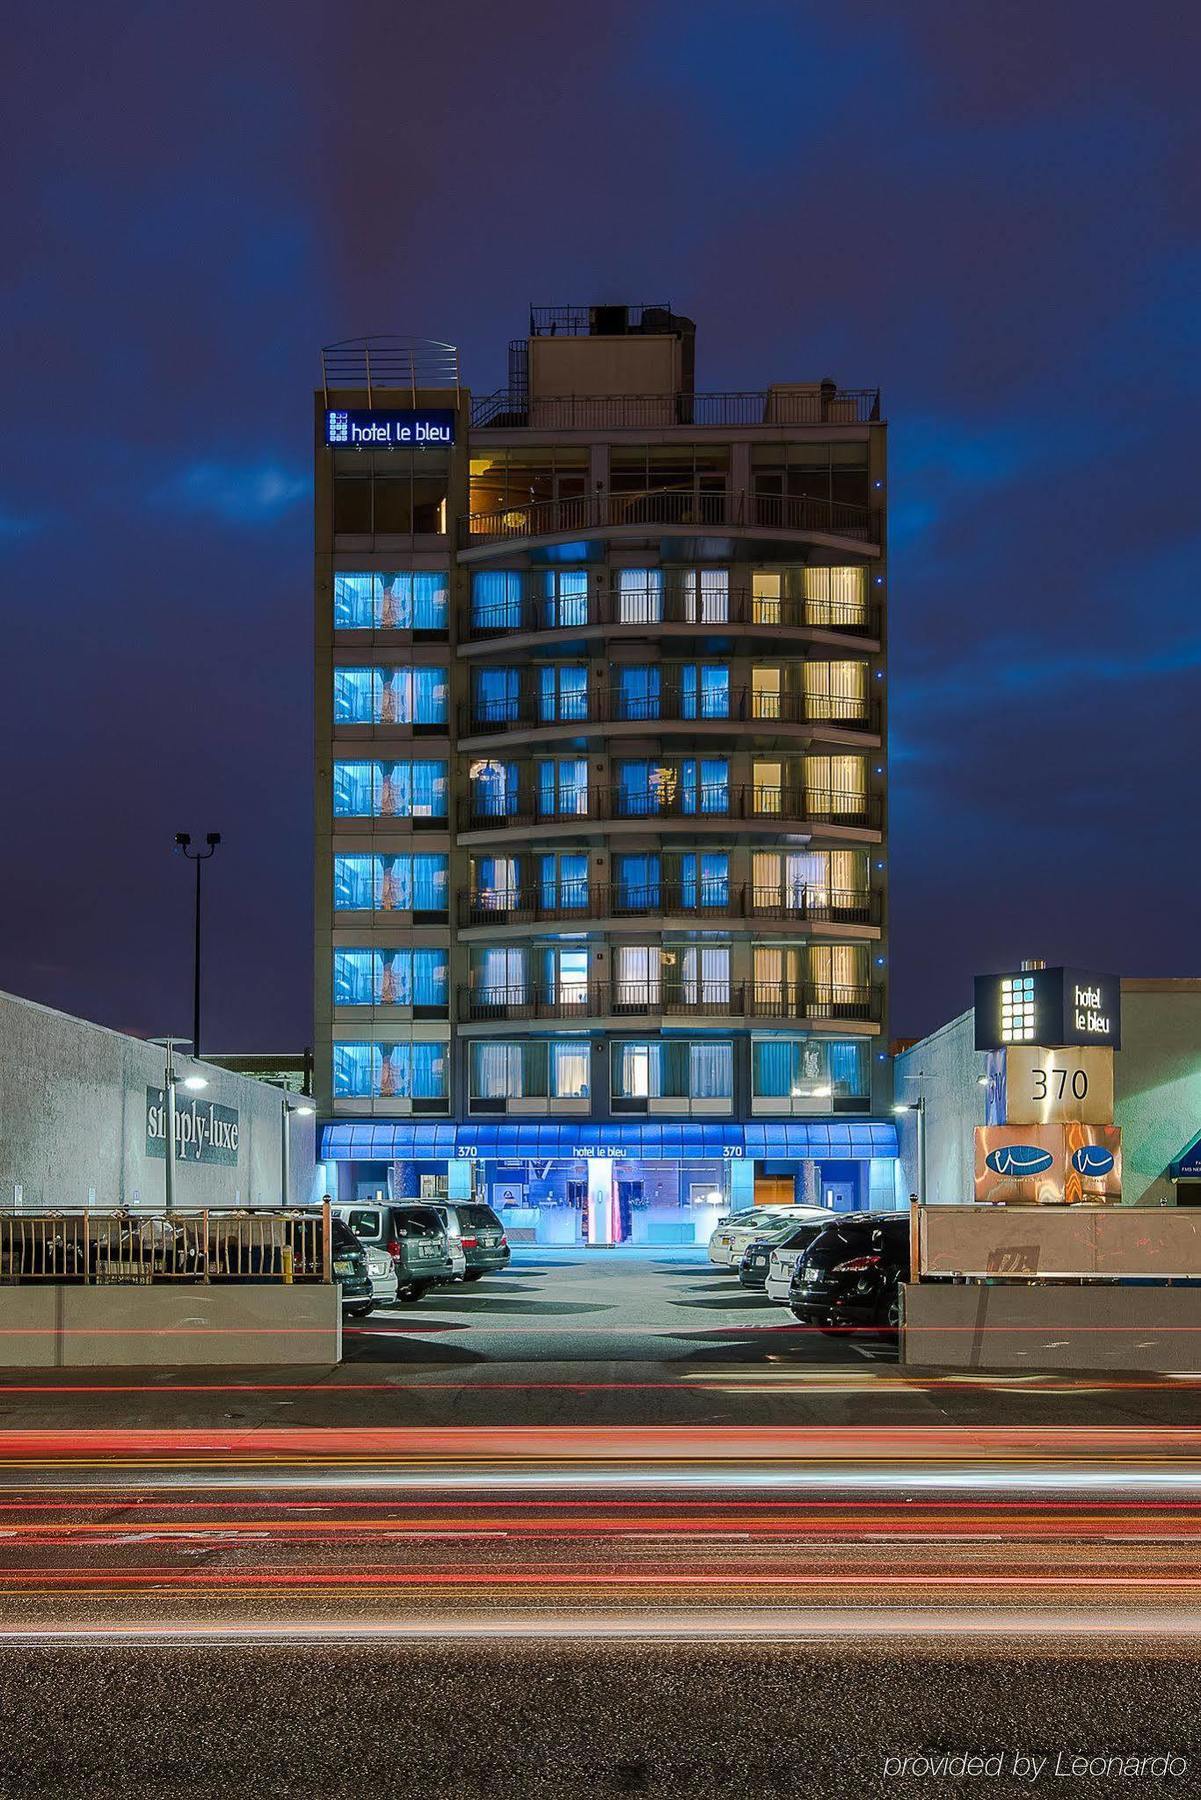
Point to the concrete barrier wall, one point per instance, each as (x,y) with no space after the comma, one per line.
(1059,1240)
(55,1326)
(974,1326)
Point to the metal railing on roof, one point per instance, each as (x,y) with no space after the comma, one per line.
(709,509)
(816,405)
(140,1249)
(391,363)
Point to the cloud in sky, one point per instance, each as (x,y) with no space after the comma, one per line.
(239,494)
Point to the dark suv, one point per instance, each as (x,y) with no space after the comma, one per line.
(413,1236)
(479,1233)
(851,1273)
(350,1271)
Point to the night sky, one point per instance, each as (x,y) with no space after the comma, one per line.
(989,210)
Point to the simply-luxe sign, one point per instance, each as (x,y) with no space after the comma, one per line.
(364,428)
(204,1131)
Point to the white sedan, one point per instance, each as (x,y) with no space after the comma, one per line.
(783,1259)
(382,1273)
(733,1235)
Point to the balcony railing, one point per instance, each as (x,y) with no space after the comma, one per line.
(769,806)
(676,507)
(606,706)
(582,412)
(578,902)
(716,609)
(781,1000)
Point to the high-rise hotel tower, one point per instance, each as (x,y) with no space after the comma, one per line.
(601,866)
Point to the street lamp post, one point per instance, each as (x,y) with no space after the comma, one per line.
(183,840)
(170,1078)
(918,1106)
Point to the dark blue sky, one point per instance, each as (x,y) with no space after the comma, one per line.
(993,212)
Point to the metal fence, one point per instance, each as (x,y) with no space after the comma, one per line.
(140,1249)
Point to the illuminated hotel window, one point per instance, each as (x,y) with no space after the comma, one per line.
(808,1069)
(531,1069)
(390,790)
(408,600)
(390,696)
(1017,1009)
(404,1070)
(672,1069)
(401,977)
(390,883)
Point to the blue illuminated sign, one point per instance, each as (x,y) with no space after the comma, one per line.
(394,1140)
(376,429)
(1092,1159)
(1019,1160)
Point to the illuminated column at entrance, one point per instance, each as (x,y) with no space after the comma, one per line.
(601,1207)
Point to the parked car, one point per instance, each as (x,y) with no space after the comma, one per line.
(382,1271)
(759,1257)
(350,1271)
(477,1232)
(851,1273)
(733,1237)
(413,1236)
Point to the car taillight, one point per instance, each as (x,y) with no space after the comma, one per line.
(469,1243)
(394,1247)
(857,1265)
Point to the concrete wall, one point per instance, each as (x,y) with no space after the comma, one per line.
(945,1070)
(53,1326)
(73,1122)
(974,1326)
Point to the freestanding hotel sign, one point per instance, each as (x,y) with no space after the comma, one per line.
(362,428)
(1049,1136)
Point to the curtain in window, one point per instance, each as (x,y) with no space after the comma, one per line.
(705,691)
(532,1079)
(394,883)
(836,968)
(835,690)
(428,1071)
(563,693)
(637,970)
(353,886)
(766,689)
(567,597)
(429,790)
(713,793)
(640,596)
(495,1071)
(773,1068)
(573,787)
(848,1070)
(706,596)
(496,695)
(765,597)
(393,978)
(836,784)
(565,974)
(638,882)
(497,881)
(570,1071)
(705,974)
(673,1065)
(354,602)
(635,1071)
(429,696)
(635,796)
(638,691)
(493,789)
(354,696)
(500,975)
(704,878)
(711,1071)
(835,596)
(429,978)
(430,597)
(354,789)
(563,880)
(430,881)
(496,600)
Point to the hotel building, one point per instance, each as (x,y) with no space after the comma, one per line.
(601,864)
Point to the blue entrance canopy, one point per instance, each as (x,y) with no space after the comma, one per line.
(401,1140)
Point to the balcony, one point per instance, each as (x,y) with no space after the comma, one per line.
(579,903)
(676,509)
(782,1001)
(672,705)
(641,609)
(771,808)
(826,405)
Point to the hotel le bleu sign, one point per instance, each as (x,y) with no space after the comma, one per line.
(378,429)
(204,1131)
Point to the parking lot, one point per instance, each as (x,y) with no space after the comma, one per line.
(611,1305)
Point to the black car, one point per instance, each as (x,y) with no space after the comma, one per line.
(350,1271)
(756,1258)
(852,1272)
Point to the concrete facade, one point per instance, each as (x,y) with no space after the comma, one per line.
(73,1125)
(1157,1095)
(1019,1326)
